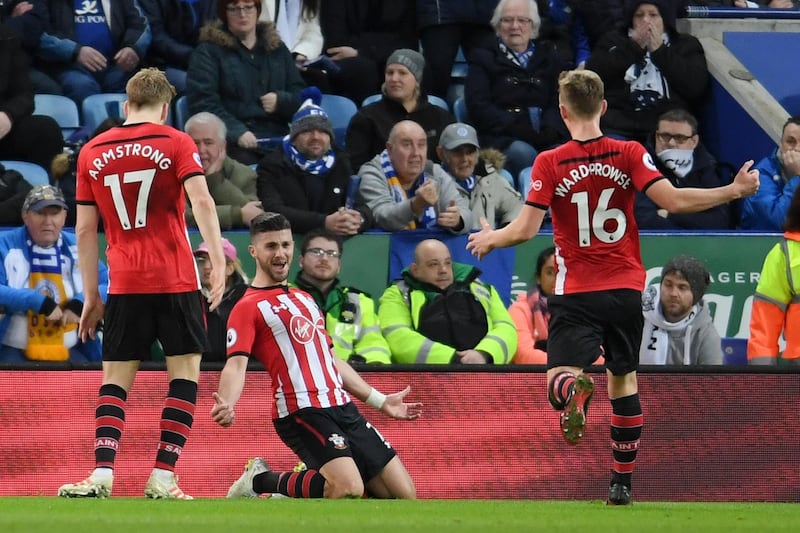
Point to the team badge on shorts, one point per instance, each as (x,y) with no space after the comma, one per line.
(337,441)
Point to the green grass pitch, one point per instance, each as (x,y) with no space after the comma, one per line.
(138,515)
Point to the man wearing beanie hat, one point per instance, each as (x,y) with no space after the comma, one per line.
(310,117)
(308,180)
(403,99)
(678,329)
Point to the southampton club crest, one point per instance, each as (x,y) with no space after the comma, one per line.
(337,441)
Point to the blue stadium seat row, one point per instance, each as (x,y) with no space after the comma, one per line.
(33,173)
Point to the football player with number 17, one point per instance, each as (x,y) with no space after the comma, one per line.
(589,184)
(282,327)
(136,177)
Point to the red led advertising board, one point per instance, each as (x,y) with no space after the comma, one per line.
(483,435)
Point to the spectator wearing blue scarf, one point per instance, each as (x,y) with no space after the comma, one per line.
(307,179)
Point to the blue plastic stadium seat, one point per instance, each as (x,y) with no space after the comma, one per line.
(441,102)
(524,181)
(98,107)
(507,175)
(181,112)
(460,66)
(371,99)
(340,110)
(460,110)
(734,351)
(33,173)
(454,92)
(62,109)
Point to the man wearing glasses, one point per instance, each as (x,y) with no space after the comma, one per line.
(685,162)
(350,316)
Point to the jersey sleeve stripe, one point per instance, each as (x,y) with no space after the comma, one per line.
(536,205)
(651,182)
(193,174)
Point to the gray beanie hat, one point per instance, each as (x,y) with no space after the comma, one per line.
(693,270)
(310,117)
(411,59)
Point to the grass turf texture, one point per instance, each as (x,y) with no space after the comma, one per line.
(138,515)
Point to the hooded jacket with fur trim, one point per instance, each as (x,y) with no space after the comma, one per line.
(227,79)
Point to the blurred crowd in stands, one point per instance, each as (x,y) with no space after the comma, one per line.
(354,115)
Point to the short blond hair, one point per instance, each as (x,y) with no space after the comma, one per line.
(582,92)
(149,87)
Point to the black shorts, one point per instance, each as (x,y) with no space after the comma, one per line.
(134,321)
(586,325)
(320,435)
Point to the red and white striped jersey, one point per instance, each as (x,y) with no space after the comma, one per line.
(282,327)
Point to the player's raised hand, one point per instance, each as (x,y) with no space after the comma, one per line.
(479,243)
(746,181)
(396,407)
(222,413)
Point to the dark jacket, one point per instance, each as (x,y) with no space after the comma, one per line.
(598,17)
(13,190)
(375,28)
(227,79)
(682,63)
(16,90)
(438,12)
(705,174)
(217,321)
(285,188)
(28,27)
(58,45)
(176,28)
(369,128)
(499,93)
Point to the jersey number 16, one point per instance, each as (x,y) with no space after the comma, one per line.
(601,215)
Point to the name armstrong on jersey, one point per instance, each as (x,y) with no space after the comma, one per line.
(603,170)
(129,149)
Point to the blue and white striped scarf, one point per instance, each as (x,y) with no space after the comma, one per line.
(520,59)
(319,166)
(428,217)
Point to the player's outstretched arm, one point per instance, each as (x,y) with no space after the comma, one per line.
(692,199)
(521,229)
(205,214)
(393,405)
(231,384)
(88,218)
